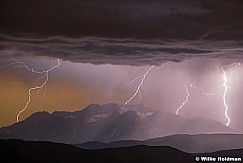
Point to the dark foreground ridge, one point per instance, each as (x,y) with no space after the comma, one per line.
(200,143)
(41,152)
(31,151)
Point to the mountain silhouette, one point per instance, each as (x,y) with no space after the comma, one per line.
(106,123)
(38,152)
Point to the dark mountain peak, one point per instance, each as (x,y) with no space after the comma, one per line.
(60,113)
(130,115)
(38,116)
(92,107)
(111,107)
(95,109)
(135,107)
(41,113)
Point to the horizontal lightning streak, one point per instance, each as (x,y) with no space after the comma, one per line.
(203,91)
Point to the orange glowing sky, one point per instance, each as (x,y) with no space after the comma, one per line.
(60,96)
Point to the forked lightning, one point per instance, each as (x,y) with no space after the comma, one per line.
(19,64)
(142,77)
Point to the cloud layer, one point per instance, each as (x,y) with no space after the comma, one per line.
(118,51)
(137,32)
(168,19)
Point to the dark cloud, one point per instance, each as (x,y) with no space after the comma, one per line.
(137,32)
(118,51)
(167,19)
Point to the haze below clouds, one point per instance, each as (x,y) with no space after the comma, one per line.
(73,86)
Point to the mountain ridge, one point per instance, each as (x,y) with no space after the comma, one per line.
(201,143)
(32,151)
(36,151)
(108,122)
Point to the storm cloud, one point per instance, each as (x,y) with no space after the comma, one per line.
(137,32)
(168,19)
(118,51)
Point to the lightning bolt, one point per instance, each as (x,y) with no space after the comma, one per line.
(226,90)
(20,64)
(142,77)
(186,100)
(139,92)
(131,82)
(187,95)
(203,91)
(43,85)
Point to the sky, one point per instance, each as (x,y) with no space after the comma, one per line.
(103,45)
(167,19)
(73,86)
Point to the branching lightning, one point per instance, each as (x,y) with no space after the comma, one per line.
(139,92)
(187,98)
(44,75)
(225,85)
(188,94)
(203,91)
(20,64)
(226,90)
(142,77)
(131,82)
